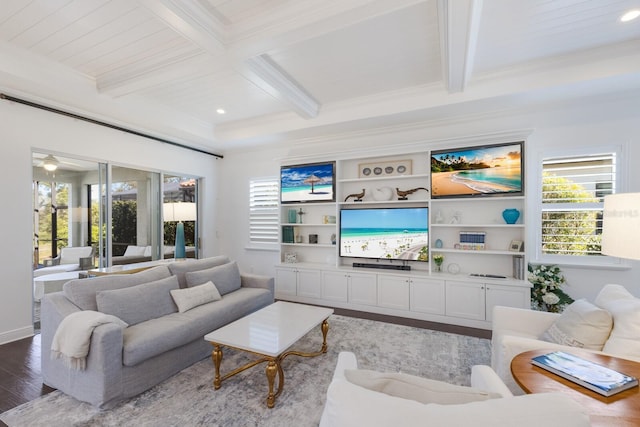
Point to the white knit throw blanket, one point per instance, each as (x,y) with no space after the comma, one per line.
(73,336)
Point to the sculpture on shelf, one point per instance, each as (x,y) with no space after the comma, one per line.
(358,196)
(402,194)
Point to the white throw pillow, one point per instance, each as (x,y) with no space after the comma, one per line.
(625,309)
(421,390)
(582,324)
(189,298)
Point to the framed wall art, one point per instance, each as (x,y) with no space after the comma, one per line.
(384,168)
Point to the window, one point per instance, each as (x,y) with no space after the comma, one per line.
(263,210)
(573,190)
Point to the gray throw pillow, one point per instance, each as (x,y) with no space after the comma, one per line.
(139,303)
(180,268)
(226,277)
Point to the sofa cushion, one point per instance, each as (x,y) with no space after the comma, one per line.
(188,298)
(82,292)
(157,336)
(422,390)
(625,309)
(180,268)
(226,277)
(139,303)
(582,324)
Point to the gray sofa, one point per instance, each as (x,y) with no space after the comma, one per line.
(159,341)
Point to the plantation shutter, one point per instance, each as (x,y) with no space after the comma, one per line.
(573,190)
(263,210)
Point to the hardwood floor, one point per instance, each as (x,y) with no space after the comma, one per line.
(21,379)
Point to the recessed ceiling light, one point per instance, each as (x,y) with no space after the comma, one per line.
(220,111)
(630,15)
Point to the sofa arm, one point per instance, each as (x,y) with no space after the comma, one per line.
(484,378)
(524,322)
(257,281)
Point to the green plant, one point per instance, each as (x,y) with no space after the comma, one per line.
(546,294)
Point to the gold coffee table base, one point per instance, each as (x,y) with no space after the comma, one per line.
(274,365)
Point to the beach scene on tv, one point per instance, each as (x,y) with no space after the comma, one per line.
(307,183)
(385,233)
(474,171)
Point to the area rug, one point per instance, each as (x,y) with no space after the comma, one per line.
(188,398)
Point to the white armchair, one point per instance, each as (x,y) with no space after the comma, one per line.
(350,405)
(68,260)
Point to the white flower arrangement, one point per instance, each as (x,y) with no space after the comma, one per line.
(546,293)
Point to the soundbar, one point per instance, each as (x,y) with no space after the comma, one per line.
(385,266)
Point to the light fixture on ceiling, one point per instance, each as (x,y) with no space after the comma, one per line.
(220,111)
(50,163)
(630,15)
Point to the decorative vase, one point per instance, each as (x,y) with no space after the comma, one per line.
(511,215)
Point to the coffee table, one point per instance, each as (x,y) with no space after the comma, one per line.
(622,409)
(268,333)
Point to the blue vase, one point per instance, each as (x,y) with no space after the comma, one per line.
(511,215)
(293,216)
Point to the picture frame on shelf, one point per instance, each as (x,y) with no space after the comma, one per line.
(385,168)
(516,246)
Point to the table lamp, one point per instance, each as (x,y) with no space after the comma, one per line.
(621,226)
(179,212)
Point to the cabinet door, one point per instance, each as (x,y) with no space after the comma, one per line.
(286,279)
(427,295)
(334,286)
(510,296)
(465,299)
(393,292)
(363,289)
(309,283)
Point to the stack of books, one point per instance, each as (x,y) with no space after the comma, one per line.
(473,240)
(593,376)
(518,267)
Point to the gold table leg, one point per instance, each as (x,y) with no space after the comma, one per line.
(274,365)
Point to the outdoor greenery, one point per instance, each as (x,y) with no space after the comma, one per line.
(569,232)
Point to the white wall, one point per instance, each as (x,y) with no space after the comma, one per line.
(23,129)
(591,123)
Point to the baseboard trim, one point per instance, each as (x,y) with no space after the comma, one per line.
(16,334)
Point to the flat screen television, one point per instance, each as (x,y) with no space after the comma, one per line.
(487,170)
(310,182)
(385,233)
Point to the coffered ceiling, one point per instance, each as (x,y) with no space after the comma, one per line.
(298,68)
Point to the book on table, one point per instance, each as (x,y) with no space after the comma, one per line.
(593,376)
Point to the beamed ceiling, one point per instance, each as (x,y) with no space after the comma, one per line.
(301,68)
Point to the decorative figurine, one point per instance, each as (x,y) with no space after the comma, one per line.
(358,196)
(300,213)
(402,194)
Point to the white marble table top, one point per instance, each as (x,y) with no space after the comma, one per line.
(271,330)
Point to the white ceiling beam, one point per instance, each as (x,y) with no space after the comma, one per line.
(192,20)
(459,24)
(267,75)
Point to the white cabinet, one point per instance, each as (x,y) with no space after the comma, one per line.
(465,299)
(510,296)
(335,286)
(427,296)
(393,292)
(363,288)
(471,300)
(297,282)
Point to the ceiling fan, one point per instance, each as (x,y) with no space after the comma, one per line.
(51,163)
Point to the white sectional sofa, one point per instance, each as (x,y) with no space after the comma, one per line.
(610,325)
(487,403)
(162,336)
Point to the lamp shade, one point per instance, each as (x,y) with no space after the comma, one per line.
(621,225)
(179,211)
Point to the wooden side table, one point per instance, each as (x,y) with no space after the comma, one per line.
(622,409)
